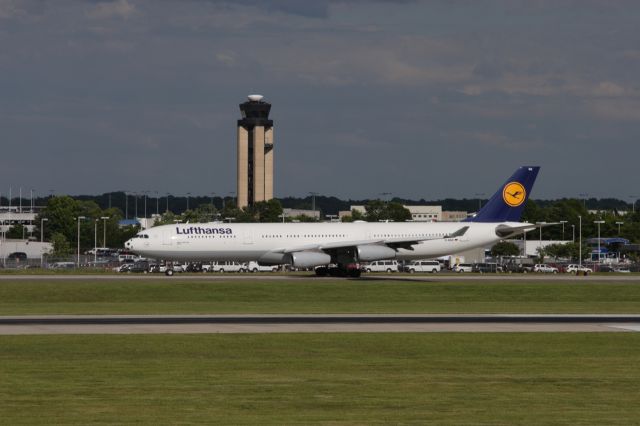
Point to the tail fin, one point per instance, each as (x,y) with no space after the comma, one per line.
(507,203)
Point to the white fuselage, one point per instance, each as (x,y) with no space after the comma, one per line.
(252,241)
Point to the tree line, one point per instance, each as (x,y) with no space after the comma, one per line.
(61,225)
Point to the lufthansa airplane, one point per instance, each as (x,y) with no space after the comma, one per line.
(305,245)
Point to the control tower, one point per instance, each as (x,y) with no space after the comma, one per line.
(255,152)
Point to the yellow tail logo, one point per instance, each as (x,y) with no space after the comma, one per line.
(514,194)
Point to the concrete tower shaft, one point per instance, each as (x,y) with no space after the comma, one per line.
(255,152)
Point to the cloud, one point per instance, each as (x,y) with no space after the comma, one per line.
(112,9)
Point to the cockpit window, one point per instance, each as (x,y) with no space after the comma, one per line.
(141,236)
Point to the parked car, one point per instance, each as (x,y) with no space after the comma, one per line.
(485,268)
(462,267)
(577,269)
(432,266)
(544,268)
(141,266)
(381,266)
(256,267)
(17,255)
(228,267)
(63,265)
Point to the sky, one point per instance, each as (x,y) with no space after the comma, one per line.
(420,99)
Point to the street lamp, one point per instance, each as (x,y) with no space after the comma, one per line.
(313,200)
(598,222)
(580,241)
(633,202)
(42,221)
(573,233)
(479,195)
(104,230)
(563,222)
(619,223)
(584,196)
(79,219)
(540,243)
(95,241)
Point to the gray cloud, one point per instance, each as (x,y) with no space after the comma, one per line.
(421,99)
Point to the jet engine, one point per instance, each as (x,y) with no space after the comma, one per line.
(373,252)
(308,259)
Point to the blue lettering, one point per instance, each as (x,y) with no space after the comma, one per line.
(200,230)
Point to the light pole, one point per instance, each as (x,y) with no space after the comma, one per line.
(126,205)
(573,233)
(563,222)
(540,243)
(188,196)
(135,199)
(479,195)
(168,202)
(145,207)
(42,221)
(584,196)
(95,241)
(157,204)
(580,241)
(313,200)
(104,230)
(619,223)
(79,219)
(598,222)
(633,202)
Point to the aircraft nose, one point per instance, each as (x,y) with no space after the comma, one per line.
(128,244)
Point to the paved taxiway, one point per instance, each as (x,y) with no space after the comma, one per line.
(186,324)
(365,277)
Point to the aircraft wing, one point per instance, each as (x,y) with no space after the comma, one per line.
(394,243)
(504,231)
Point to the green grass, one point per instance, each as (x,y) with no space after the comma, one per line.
(537,378)
(184,296)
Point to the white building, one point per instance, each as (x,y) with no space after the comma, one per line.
(418,213)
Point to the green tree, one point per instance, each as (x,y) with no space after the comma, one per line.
(17,231)
(203,213)
(378,210)
(269,211)
(61,246)
(505,248)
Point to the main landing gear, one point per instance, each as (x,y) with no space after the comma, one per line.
(350,270)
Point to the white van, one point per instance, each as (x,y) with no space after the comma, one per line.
(381,266)
(255,267)
(228,267)
(432,266)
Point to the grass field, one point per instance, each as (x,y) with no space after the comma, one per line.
(182,296)
(329,378)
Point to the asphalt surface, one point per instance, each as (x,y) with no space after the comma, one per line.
(186,324)
(365,277)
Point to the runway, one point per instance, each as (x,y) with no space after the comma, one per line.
(193,324)
(296,277)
